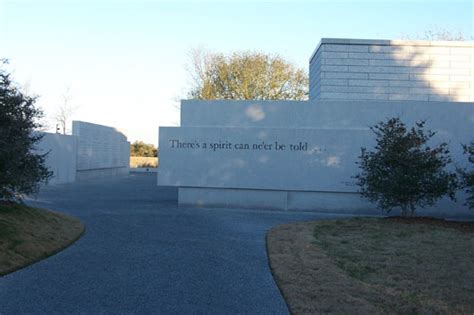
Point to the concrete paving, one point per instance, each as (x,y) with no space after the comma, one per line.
(141,253)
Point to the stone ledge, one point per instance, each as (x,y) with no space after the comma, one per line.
(387,42)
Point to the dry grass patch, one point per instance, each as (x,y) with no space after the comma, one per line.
(372,265)
(29,234)
(140,161)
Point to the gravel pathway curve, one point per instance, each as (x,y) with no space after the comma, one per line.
(141,253)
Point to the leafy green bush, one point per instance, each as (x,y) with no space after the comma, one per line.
(467,176)
(403,171)
(21,170)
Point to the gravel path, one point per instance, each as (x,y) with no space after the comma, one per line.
(141,253)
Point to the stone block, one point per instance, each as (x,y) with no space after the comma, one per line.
(334,55)
(461,78)
(333,96)
(450,71)
(365,89)
(327,68)
(348,62)
(345,48)
(389,76)
(389,63)
(408,83)
(464,58)
(390,49)
(461,51)
(334,82)
(462,98)
(429,77)
(425,90)
(439,98)
(369,82)
(408,97)
(380,69)
(460,64)
(459,91)
(366,96)
(439,50)
(343,75)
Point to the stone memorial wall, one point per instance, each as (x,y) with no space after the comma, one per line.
(289,155)
(61,158)
(102,150)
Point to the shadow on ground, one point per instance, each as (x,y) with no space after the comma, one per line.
(142,253)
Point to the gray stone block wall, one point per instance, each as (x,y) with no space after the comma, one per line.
(100,147)
(350,69)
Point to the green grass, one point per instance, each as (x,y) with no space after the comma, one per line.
(420,266)
(374,266)
(29,234)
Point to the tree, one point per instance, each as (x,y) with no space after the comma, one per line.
(403,171)
(246,76)
(443,34)
(139,148)
(437,33)
(65,110)
(21,169)
(467,176)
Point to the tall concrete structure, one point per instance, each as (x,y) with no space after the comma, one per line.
(289,155)
(355,69)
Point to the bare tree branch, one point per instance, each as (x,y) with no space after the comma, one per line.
(65,110)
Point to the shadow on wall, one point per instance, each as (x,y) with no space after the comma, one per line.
(392,70)
(434,73)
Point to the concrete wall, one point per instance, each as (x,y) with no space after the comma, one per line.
(261,158)
(444,116)
(102,150)
(354,69)
(315,177)
(302,155)
(61,159)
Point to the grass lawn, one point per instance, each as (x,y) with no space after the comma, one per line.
(140,161)
(375,265)
(29,234)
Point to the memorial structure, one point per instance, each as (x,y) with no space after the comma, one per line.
(102,150)
(61,156)
(92,151)
(301,155)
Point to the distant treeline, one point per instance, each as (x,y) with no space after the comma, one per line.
(139,148)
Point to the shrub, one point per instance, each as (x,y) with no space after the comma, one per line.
(21,170)
(403,171)
(139,148)
(467,176)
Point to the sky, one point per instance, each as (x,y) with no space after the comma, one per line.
(125,63)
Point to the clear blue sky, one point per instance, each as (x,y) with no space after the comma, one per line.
(125,61)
